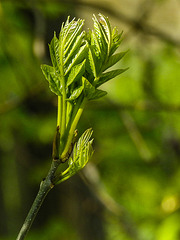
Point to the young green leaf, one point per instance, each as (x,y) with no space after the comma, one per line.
(54,52)
(71,45)
(104,21)
(94,42)
(89,89)
(116,40)
(108,75)
(91,92)
(92,62)
(77,58)
(52,78)
(101,36)
(113,60)
(70,51)
(76,93)
(76,73)
(98,94)
(81,154)
(74,33)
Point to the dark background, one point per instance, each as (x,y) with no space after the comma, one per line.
(131,188)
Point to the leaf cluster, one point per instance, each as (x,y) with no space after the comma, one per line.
(80,65)
(81,59)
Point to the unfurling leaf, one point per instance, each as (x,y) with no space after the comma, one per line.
(76,73)
(52,78)
(98,94)
(91,92)
(108,75)
(89,89)
(70,50)
(77,58)
(54,53)
(81,154)
(76,93)
(113,60)
(101,35)
(116,40)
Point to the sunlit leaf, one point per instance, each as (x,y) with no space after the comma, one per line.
(77,31)
(100,35)
(96,45)
(89,89)
(78,58)
(52,78)
(92,62)
(82,152)
(108,75)
(76,93)
(113,60)
(116,40)
(91,92)
(104,21)
(76,73)
(70,52)
(54,52)
(98,94)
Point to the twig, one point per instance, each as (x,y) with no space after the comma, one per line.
(45,186)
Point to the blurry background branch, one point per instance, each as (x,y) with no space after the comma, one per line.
(137,23)
(91,177)
(139,106)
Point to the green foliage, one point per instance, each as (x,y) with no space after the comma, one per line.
(80,61)
(76,55)
(82,152)
(91,92)
(54,83)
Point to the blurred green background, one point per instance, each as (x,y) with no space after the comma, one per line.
(131,188)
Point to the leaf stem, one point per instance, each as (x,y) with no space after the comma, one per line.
(59,114)
(73,127)
(64,105)
(63,110)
